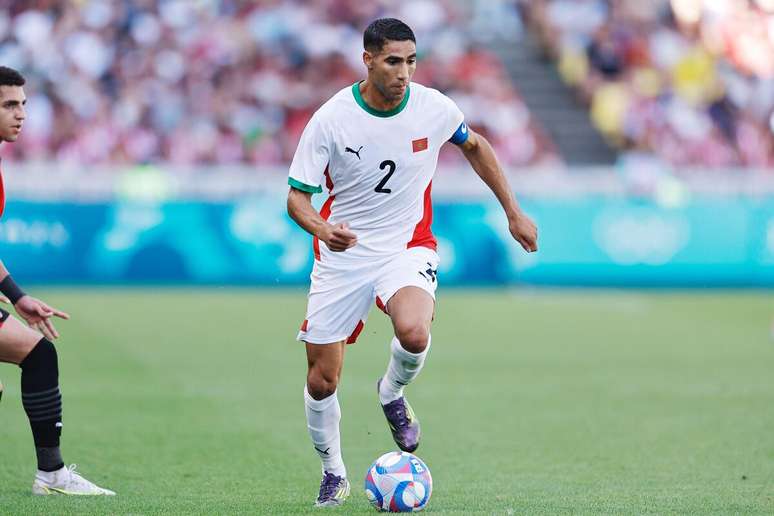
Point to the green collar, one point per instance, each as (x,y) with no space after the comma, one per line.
(384,114)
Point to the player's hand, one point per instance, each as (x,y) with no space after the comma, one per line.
(5,300)
(38,314)
(339,238)
(524,231)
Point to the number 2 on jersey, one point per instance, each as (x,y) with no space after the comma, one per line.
(380,188)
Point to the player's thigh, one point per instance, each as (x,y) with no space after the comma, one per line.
(411,313)
(16,339)
(413,274)
(411,306)
(339,301)
(408,285)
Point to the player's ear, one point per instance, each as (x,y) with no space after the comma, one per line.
(368,59)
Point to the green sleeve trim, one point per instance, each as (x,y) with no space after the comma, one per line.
(298,185)
(384,114)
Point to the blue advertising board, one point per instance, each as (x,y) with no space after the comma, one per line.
(588,240)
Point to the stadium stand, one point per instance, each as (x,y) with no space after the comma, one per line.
(691,81)
(230,82)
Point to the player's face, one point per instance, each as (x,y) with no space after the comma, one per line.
(390,70)
(12,113)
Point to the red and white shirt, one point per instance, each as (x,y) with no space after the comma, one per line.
(2,191)
(377,166)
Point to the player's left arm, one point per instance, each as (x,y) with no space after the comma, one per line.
(35,312)
(478,151)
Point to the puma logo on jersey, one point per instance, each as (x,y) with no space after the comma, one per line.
(355,152)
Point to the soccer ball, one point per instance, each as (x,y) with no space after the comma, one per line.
(398,482)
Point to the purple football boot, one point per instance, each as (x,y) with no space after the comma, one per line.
(404,425)
(333,490)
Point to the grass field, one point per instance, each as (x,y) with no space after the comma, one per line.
(548,402)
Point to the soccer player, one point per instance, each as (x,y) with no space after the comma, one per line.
(374,146)
(30,347)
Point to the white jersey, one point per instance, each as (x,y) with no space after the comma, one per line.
(377,167)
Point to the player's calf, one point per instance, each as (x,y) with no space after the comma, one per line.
(323,415)
(43,403)
(403,368)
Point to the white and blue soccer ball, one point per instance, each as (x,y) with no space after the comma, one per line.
(398,482)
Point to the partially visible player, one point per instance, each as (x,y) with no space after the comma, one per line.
(375,146)
(30,347)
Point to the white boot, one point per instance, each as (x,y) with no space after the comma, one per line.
(65,481)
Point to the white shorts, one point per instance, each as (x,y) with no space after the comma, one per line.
(343,291)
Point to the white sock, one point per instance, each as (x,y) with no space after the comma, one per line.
(322,419)
(402,369)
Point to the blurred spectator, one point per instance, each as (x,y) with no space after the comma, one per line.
(691,80)
(230,81)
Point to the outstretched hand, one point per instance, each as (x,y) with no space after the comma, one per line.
(524,231)
(38,314)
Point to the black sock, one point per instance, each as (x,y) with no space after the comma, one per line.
(43,403)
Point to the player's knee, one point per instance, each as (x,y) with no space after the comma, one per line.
(413,337)
(321,384)
(42,355)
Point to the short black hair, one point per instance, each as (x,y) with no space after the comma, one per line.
(386,29)
(10,77)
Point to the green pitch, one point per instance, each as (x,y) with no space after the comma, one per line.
(548,402)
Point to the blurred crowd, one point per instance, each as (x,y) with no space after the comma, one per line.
(233,81)
(690,80)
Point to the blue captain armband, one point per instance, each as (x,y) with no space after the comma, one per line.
(460,136)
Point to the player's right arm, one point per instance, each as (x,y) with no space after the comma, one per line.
(307,172)
(337,237)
